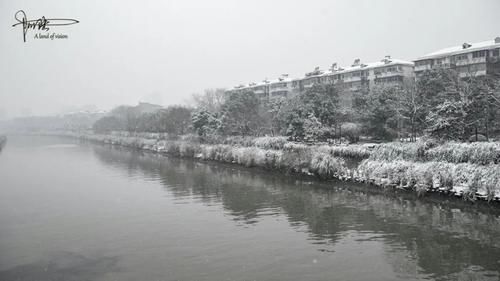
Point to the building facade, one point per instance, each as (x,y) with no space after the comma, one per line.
(476,59)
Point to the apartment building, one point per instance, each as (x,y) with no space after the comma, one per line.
(468,59)
(354,78)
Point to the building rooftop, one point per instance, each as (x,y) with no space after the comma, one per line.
(464,48)
(358,65)
(365,66)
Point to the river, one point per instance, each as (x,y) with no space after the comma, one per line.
(78,211)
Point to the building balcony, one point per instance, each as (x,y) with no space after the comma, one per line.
(470,61)
(476,73)
(353,79)
(261,96)
(285,88)
(422,67)
(389,74)
(277,94)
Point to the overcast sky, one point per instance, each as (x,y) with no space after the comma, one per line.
(123,52)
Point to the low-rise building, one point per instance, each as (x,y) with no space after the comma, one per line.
(355,78)
(361,77)
(475,59)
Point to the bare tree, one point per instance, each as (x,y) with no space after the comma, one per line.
(211,100)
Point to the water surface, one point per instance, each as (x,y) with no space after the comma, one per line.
(79,211)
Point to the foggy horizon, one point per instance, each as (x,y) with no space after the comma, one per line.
(123,52)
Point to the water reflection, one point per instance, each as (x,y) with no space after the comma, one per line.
(420,239)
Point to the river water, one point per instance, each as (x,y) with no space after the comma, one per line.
(80,211)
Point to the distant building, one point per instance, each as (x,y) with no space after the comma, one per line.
(475,59)
(145,107)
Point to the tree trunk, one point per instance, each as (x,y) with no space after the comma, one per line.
(486,126)
(340,134)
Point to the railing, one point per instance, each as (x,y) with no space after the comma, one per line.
(389,74)
(470,61)
(422,67)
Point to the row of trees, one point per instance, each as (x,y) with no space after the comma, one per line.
(174,120)
(314,115)
(440,104)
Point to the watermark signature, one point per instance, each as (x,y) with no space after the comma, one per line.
(42,24)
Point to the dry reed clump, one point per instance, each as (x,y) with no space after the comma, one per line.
(356,151)
(223,153)
(246,156)
(464,179)
(479,153)
(219,152)
(142,135)
(161,146)
(296,157)
(396,151)
(326,166)
(206,151)
(237,141)
(260,142)
(173,148)
(273,159)
(270,142)
(190,138)
(188,149)
(482,153)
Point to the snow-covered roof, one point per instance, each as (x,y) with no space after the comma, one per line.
(280,80)
(339,70)
(456,50)
(263,82)
(365,66)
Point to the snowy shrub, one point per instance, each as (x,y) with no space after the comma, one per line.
(469,180)
(296,157)
(350,151)
(477,153)
(270,142)
(326,165)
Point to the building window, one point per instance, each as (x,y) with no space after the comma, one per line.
(495,53)
(479,54)
(422,62)
(280,94)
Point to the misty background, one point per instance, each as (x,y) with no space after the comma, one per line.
(162,52)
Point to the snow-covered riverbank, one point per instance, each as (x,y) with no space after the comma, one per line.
(398,166)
